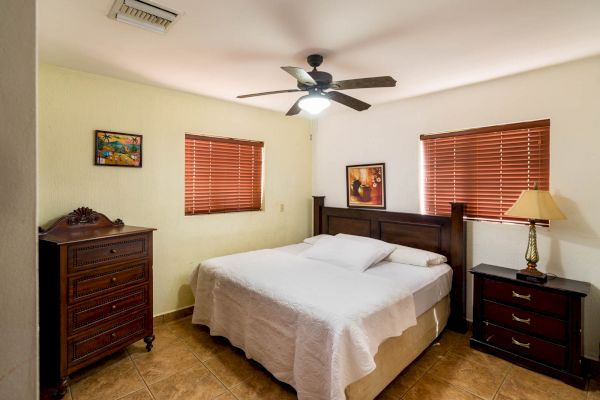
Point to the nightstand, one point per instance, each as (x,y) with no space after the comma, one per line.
(539,326)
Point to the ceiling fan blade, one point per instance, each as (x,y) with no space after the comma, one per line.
(363,83)
(295,108)
(242,96)
(348,101)
(301,75)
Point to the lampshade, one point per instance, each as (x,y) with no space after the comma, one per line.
(314,103)
(535,204)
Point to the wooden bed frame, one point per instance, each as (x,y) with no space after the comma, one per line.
(443,235)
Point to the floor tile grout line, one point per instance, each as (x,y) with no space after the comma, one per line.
(502,383)
(168,376)
(233,394)
(222,383)
(459,388)
(474,361)
(464,389)
(213,356)
(186,344)
(70,390)
(141,377)
(207,370)
(424,373)
(449,350)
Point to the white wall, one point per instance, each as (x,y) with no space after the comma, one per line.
(18,239)
(568,94)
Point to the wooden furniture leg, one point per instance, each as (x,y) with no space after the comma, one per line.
(62,387)
(149,340)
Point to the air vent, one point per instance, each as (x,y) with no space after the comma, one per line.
(143,14)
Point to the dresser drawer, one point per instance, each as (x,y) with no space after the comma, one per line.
(86,346)
(106,251)
(526,345)
(103,281)
(524,321)
(529,297)
(87,314)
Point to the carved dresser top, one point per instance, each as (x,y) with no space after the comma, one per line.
(85,224)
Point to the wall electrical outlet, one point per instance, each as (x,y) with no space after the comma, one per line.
(281,207)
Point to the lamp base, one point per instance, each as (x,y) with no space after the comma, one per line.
(532,275)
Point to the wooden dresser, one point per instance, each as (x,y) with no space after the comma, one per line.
(536,325)
(95,292)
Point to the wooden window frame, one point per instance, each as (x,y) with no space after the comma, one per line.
(456,168)
(223,149)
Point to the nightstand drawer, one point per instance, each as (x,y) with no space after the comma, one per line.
(107,251)
(524,321)
(526,345)
(526,296)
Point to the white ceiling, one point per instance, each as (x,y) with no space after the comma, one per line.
(230,47)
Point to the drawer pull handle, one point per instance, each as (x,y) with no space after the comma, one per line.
(114,307)
(113,279)
(516,342)
(113,251)
(521,296)
(114,335)
(522,320)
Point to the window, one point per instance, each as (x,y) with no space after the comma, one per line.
(222,175)
(486,168)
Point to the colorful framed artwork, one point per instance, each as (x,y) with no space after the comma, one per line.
(118,149)
(365,185)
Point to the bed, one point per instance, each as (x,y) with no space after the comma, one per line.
(330,333)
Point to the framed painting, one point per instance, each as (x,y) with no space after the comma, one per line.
(365,185)
(118,149)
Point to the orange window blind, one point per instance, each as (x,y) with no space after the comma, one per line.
(222,175)
(486,168)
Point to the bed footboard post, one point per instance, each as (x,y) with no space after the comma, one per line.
(458,321)
(318,204)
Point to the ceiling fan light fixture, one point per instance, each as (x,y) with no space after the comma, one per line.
(314,103)
(315,82)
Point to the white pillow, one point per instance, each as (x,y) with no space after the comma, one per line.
(418,257)
(349,254)
(386,247)
(315,239)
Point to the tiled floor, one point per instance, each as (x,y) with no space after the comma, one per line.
(187,363)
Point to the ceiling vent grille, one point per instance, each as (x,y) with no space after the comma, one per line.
(143,14)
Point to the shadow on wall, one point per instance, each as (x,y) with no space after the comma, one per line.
(592,323)
(185,296)
(469,260)
(575,228)
(554,264)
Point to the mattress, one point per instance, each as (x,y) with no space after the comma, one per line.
(428,285)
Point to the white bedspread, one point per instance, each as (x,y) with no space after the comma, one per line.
(313,325)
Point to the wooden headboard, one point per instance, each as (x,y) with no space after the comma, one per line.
(443,235)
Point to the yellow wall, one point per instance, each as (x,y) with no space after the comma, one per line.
(73,104)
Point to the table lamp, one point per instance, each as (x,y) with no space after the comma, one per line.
(534,205)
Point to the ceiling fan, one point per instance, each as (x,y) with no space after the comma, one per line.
(316,82)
